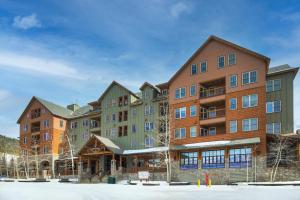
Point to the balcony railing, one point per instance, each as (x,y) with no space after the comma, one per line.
(210,114)
(211,92)
(35,129)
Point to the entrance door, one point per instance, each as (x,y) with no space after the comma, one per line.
(107,163)
(93,167)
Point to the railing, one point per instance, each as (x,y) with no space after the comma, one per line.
(213,113)
(150,169)
(35,142)
(35,129)
(211,92)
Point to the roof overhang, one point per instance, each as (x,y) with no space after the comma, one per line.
(221,143)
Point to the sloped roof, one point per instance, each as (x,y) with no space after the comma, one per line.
(150,85)
(282,69)
(215,38)
(111,85)
(54,109)
(82,111)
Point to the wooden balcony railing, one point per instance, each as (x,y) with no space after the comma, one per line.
(211,92)
(35,129)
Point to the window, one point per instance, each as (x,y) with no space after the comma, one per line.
(120,116)
(125,115)
(193,90)
(233,126)
(149,141)
(113,132)
(120,132)
(231,59)
(133,128)
(250,124)
(212,131)
(273,106)
(180,133)
(74,138)
(73,125)
(61,123)
(113,102)
(85,136)
(189,160)
(221,61)
(133,112)
(120,101)
(274,128)
(233,103)
(125,100)
(148,110)
(233,80)
(250,101)
(180,113)
(239,158)
(25,140)
(148,126)
(203,67)
(193,131)
(113,117)
(46,123)
(193,69)
(46,136)
(180,93)
(25,128)
(249,77)
(85,122)
(46,149)
(125,130)
(193,111)
(273,85)
(213,159)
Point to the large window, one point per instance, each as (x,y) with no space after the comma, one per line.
(189,160)
(180,93)
(273,106)
(149,141)
(239,158)
(193,69)
(148,126)
(231,59)
(213,159)
(250,101)
(193,111)
(203,66)
(193,90)
(233,103)
(180,113)
(233,80)
(249,77)
(180,133)
(148,110)
(221,61)
(250,124)
(233,126)
(274,128)
(273,85)
(193,131)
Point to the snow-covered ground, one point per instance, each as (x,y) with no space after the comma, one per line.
(63,191)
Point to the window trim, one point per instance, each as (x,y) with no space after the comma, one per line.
(236,103)
(195,131)
(249,100)
(250,127)
(249,72)
(180,97)
(204,61)
(195,111)
(273,85)
(235,79)
(273,127)
(273,106)
(180,137)
(229,59)
(191,90)
(180,117)
(218,63)
(192,69)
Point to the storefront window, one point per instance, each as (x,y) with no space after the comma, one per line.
(213,159)
(189,160)
(240,158)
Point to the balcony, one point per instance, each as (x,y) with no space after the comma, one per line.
(212,115)
(95,126)
(35,128)
(213,130)
(212,91)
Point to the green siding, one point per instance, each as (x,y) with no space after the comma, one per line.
(285,94)
(79,131)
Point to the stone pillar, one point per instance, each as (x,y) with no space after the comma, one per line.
(113,166)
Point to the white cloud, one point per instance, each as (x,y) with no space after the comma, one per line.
(38,66)
(26,22)
(179,8)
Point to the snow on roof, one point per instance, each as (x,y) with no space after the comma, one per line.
(208,144)
(149,150)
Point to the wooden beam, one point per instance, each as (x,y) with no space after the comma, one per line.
(98,153)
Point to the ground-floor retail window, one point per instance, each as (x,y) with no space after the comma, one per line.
(239,158)
(213,159)
(189,160)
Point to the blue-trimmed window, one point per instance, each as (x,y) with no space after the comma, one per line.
(189,160)
(213,159)
(240,158)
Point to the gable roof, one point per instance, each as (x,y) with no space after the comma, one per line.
(54,109)
(118,84)
(215,38)
(282,69)
(150,85)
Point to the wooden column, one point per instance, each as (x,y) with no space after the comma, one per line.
(89,165)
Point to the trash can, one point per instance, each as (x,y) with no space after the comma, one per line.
(111,180)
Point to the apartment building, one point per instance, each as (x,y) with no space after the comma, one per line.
(215,115)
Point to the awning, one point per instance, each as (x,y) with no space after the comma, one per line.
(221,143)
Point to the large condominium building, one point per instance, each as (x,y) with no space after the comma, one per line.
(215,115)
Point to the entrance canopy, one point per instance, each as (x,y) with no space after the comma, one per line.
(98,145)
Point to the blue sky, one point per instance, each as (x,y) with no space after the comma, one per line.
(70,51)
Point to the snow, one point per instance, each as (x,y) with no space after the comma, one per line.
(206,144)
(61,191)
(148,150)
